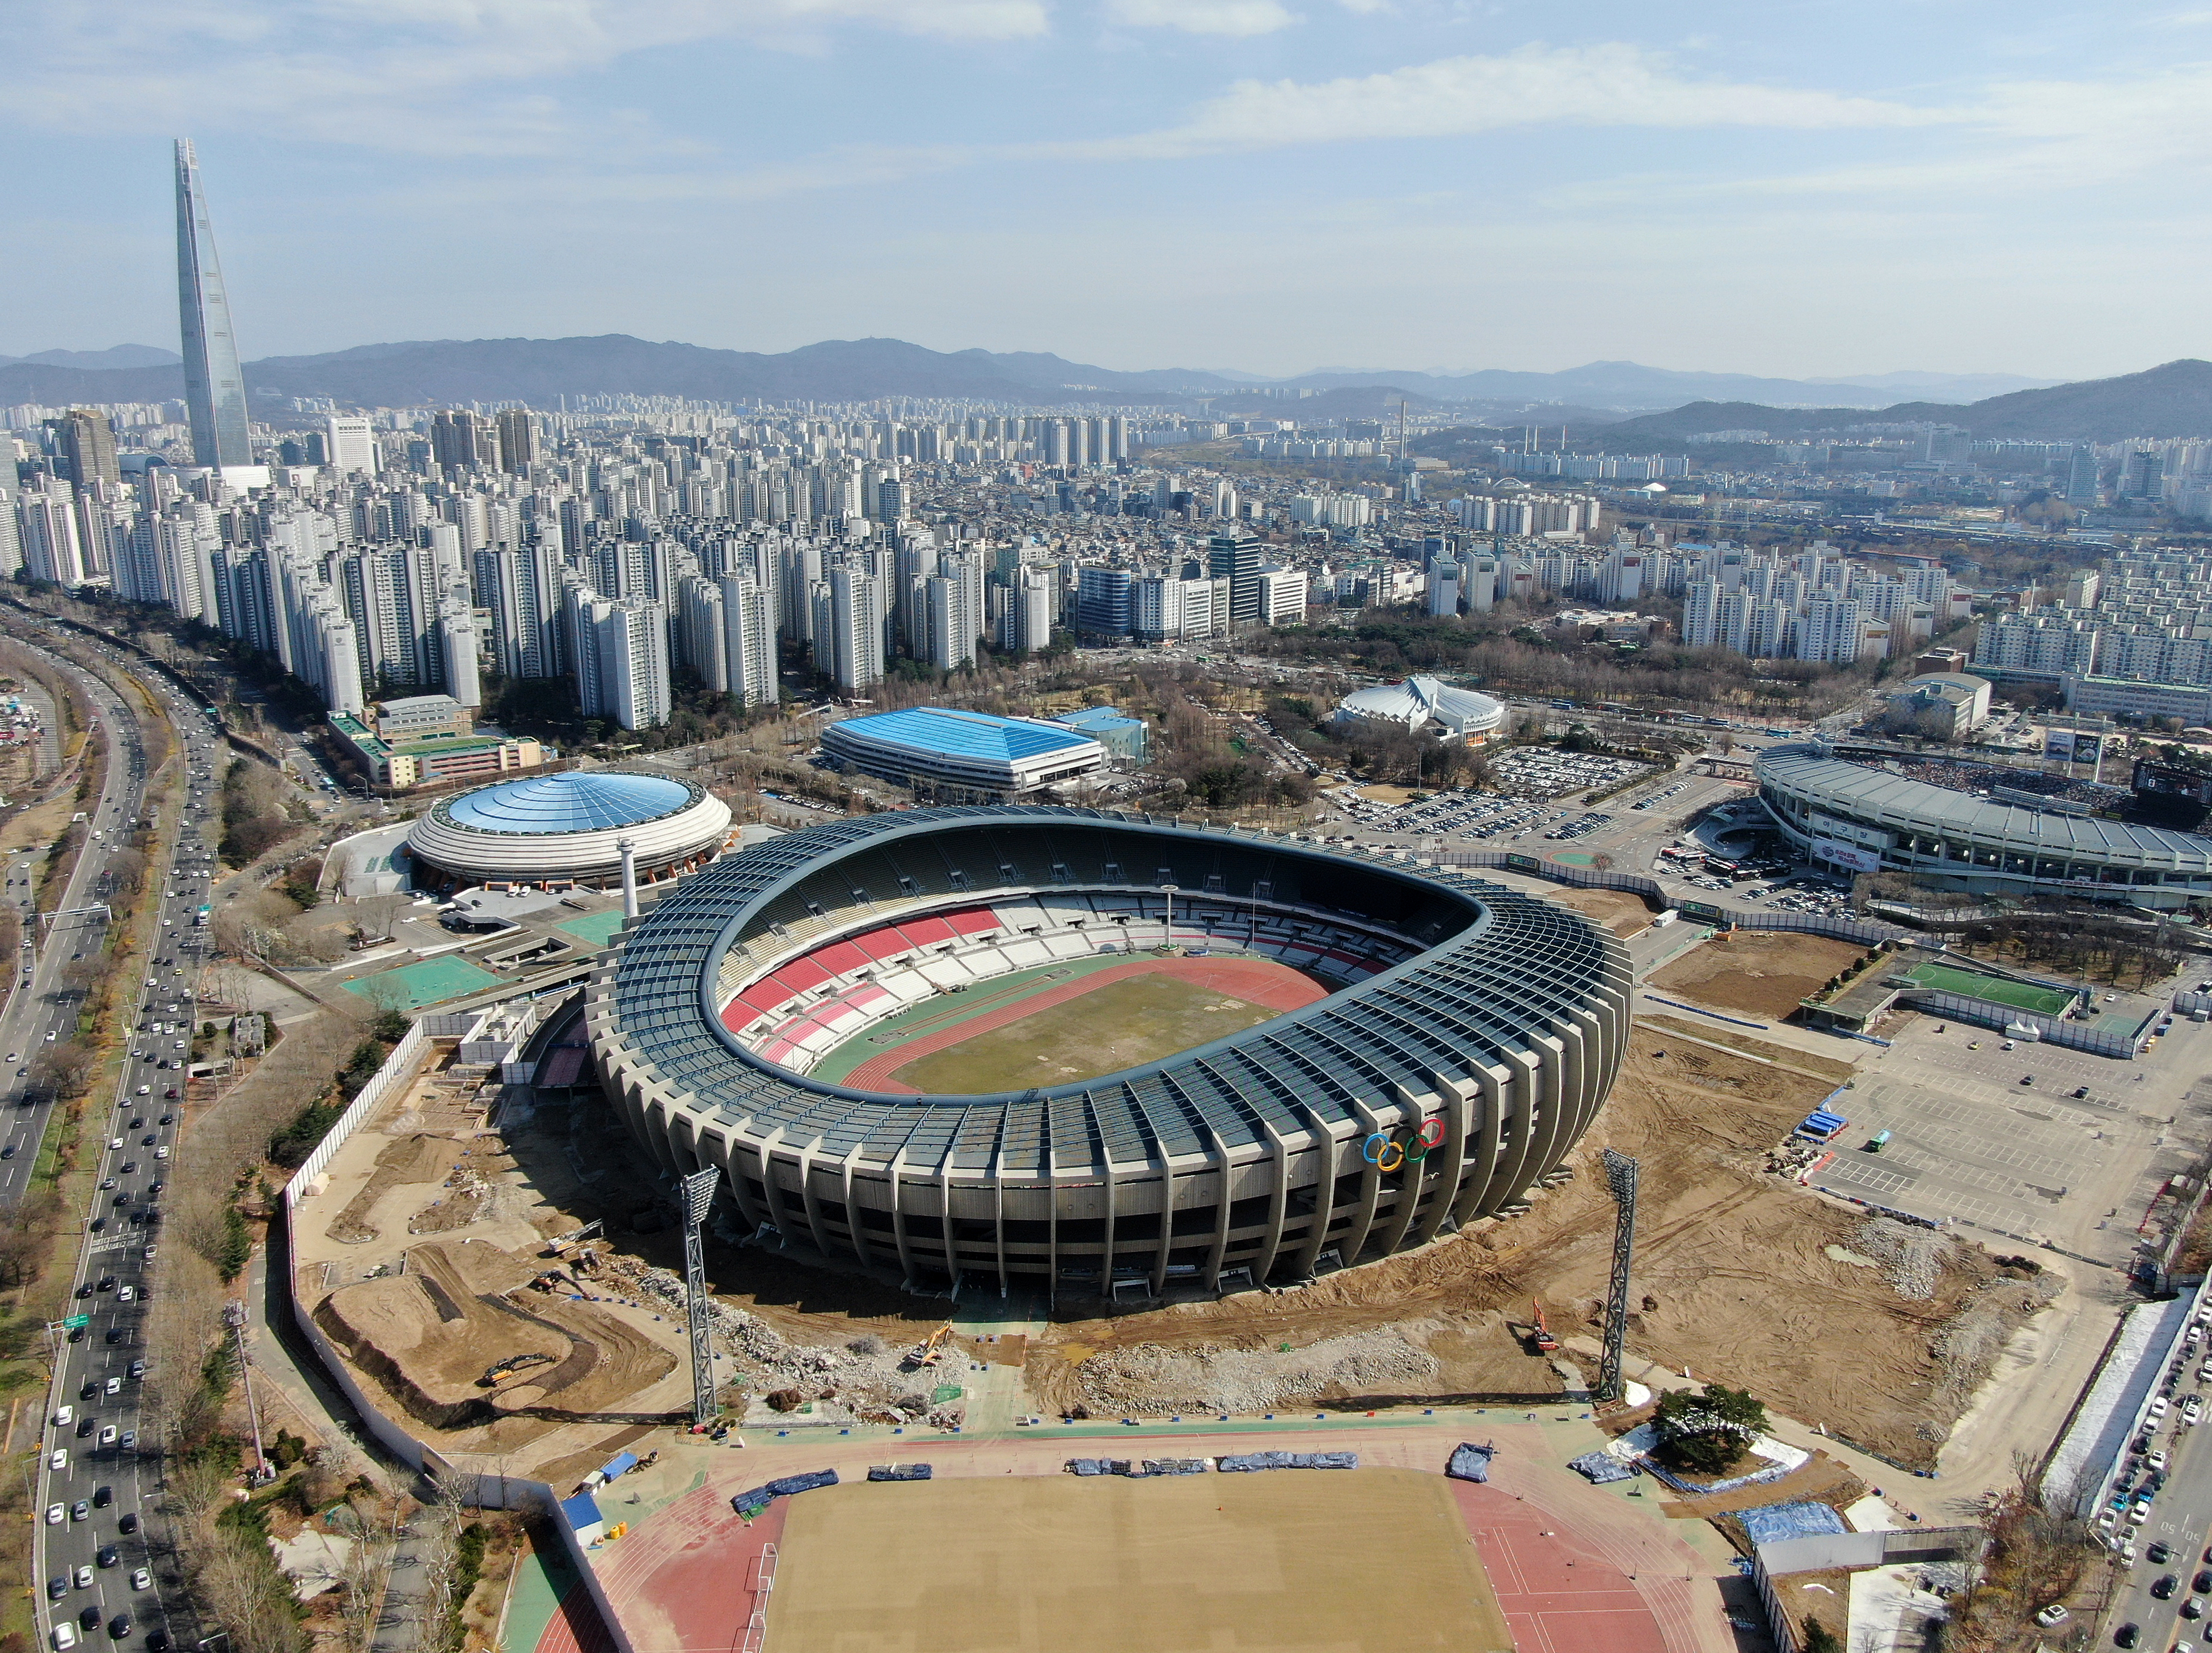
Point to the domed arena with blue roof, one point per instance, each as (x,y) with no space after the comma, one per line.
(568,829)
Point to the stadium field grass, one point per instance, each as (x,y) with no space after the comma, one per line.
(1991,989)
(1139,1018)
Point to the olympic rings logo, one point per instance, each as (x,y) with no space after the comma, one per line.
(1387,1153)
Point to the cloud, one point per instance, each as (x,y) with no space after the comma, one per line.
(425,76)
(1203,17)
(1610,85)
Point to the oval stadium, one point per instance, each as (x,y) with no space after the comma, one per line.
(1091,1054)
(567,829)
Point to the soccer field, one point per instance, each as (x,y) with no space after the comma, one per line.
(413,986)
(1992,989)
(1067,1024)
(1299,1561)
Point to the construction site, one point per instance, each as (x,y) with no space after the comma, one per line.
(436,1256)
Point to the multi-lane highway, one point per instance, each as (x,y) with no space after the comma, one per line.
(93,1555)
(2164,1597)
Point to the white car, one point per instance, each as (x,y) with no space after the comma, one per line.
(124,1293)
(142,1579)
(55,1514)
(65,1416)
(64,1636)
(2158,1406)
(60,1459)
(161,1153)
(108,1433)
(2157,1459)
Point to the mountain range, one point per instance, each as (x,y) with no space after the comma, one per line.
(2175,399)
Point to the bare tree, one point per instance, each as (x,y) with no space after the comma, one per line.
(365,1574)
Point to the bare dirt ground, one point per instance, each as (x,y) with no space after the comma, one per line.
(1622,913)
(1213,1561)
(1758,972)
(1734,1280)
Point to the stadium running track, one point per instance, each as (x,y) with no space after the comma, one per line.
(1257,981)
(1575,1569)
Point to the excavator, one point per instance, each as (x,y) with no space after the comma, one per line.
(1539,1333)
(931,1350)
(501,1371)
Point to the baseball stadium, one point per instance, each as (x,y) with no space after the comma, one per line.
(1093,1054)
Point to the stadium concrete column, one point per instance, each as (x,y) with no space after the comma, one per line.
(1371,1183)
(1332,1155)
(898,1218)
(1412,1174)
(1457,1113)
(1278,1201)
(1216,1154)
(856,1232)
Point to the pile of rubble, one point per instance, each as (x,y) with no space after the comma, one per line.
(864,1380)
(1910,1259)
(1150,1378)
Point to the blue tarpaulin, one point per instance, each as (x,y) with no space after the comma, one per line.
(750,1503)
(1470,1461)
(898,1471)
(621,1464)
(1243,1461)
(1601,1468)
(1772,1522)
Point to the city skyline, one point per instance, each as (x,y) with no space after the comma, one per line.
(1274,184)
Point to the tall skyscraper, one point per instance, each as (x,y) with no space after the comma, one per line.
(351,445)
(214,385)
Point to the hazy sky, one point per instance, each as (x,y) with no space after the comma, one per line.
(1798,189)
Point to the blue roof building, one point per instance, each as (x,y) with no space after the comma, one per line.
(954,756)
(1120,734)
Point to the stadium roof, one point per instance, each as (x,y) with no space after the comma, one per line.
(1504,976)
(938,729)
(1877,796)
(581,800)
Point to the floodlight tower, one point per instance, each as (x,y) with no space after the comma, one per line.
(698,1200)
(1620,1177)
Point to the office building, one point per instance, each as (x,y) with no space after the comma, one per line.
(517,440)
(85,442)
(214,384)
(349,446)
(1236,557)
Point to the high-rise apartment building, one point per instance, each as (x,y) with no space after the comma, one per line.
(459,440)
(517,440)
(214,384)
(633,639)
(848,630)
(85,441)
(520,587)
(749,640)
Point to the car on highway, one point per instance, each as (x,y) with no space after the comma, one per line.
(64,1638)
(2162,1590)
(142,1579)
(54,1514)
(60,1460)
(80,1509)
(2128,1635)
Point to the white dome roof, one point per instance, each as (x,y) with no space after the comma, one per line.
(1419,701)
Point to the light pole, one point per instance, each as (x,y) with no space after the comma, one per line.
(1167,933)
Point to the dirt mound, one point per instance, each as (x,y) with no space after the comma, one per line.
(1622,913)
(417,1159)
(1758,972)
(1732,1275)
(428,1336)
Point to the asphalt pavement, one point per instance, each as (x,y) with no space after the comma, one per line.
(96,1563)
(2154,1596)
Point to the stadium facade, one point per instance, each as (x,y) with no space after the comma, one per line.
(968,757)
(567,829)
(1473,1041)
(1858,818)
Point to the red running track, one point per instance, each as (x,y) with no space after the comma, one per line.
(681,1580)
(1558,1594)
(1256,981)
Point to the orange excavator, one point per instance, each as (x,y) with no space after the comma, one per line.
(1539,1334)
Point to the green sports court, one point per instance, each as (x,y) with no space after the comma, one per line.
(596,928)
(427,981)
(1992,989)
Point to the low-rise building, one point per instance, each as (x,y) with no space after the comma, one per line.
(399,764)
(956,757)
(1124,737)
(1942,706)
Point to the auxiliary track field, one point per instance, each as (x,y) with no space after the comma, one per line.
(1057,1026)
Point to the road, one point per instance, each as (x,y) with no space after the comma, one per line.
(97,1484)
(2180,1517)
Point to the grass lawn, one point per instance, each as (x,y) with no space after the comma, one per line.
(1137,1019)
(1991,989)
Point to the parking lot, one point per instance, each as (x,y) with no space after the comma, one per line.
(1969,1143)
(1542,772)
